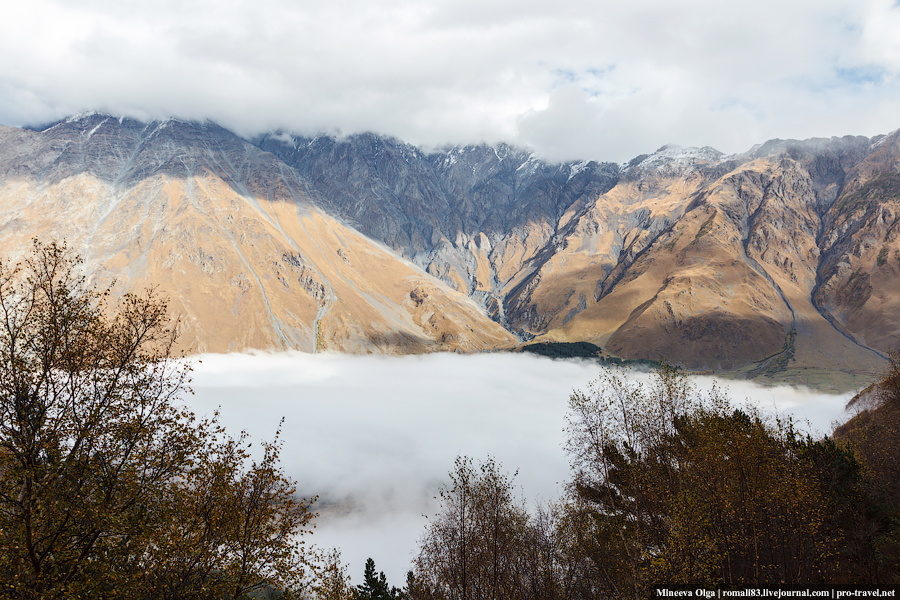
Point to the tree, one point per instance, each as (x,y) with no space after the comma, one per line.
(674,487)
(333,582)
(873,438)
(551,568)
(485,545)
(875,434)
(109,486)
(228,530)
(473,548)
(375,585)
(889,384)
(614,507)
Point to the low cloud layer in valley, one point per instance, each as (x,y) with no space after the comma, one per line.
(375,437)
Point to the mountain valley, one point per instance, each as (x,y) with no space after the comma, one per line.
(781,263)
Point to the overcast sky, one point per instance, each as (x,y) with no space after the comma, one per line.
(570,78)
(381,433)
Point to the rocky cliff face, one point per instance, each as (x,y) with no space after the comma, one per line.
(713,261)
(782,259)
(475,217)
(737,262)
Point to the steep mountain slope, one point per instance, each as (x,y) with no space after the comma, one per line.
(228,233)
(768,267)
(858,285)
(711,261)
(731,281)
(782,262)
(475,217)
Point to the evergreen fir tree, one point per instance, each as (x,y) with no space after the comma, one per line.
(375,586)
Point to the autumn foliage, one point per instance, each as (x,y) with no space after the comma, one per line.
(109,486)
(670,486)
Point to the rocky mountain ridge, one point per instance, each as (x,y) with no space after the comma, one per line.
(229,234)
(777,261)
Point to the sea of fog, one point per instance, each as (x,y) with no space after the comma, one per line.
(374,437)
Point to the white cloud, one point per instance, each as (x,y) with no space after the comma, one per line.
(881,35)
(381,433)
(699,72)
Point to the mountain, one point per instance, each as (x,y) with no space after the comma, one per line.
(229,234)
(782,262)
(717,262)
(475,217)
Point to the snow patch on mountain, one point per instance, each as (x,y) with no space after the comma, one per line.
(81,116)
(531,164)
(576,168)
(879,140)
(677,158)
(94,130)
